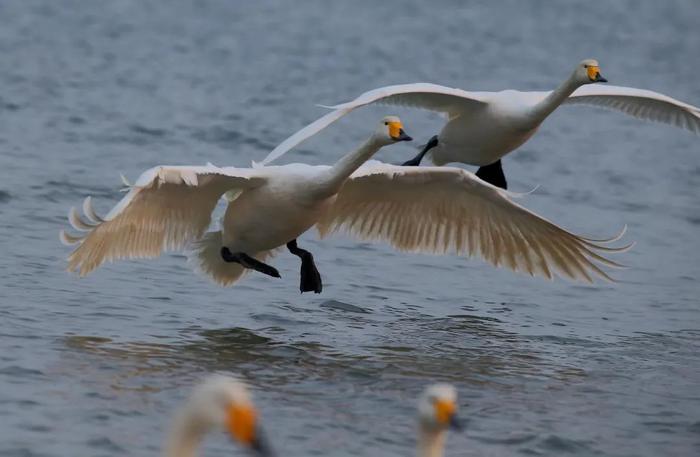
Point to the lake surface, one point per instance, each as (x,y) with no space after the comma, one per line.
(96,366)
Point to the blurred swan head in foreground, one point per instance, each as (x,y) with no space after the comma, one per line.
(437,413)
(219,402)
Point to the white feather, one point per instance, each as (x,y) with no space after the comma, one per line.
(124,180)
(427,209)
(482,127)
(77,223)
(89,211)
(446,209)
(640,103)
(166,209)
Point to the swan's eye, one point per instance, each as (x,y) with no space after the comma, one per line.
(386,123)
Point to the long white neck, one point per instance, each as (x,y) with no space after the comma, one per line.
(555,98)
(185,436)
(343,168)
(431,443)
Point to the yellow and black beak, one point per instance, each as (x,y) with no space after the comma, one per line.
(396,132)
(594,74)
(446,415)
(242,424)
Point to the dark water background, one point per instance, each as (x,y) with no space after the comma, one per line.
(95,367)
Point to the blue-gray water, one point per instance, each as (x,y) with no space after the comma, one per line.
(95,366)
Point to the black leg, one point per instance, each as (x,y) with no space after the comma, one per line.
(247,261)
(310,277)
(493,174)
(414,162)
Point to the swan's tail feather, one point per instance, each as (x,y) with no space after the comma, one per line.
(205,255)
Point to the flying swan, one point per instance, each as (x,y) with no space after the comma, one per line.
(219,402)
(482,127)
(419,209)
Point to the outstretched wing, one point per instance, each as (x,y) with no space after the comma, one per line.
(640,103)
(443,209)
(432,97)
(167,208)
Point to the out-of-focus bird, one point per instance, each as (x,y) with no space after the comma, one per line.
(220,402)
(437,413)
(482,127)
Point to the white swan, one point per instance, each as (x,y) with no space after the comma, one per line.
(430,209)
(482,127)
(220,402)
(437,412)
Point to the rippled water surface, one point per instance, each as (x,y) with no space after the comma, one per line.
(95,366)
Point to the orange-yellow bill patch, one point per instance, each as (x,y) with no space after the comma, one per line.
(395,129)
(241,423)
(444,410)
(593,72)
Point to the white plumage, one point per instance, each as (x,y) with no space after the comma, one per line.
(418,209)
(449,210)
(482,127)
(437,412)
(166,209)
(218,402)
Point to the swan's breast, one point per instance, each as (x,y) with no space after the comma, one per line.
(271,215)
(485,137)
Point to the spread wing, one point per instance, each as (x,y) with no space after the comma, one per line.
(640,103)
(166,209)
(433,97)
(446,209)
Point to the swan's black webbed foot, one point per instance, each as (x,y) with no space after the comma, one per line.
(247,261)
(414,162)
(310,277)
(493,174)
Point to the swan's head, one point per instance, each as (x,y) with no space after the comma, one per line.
(390,130)
(588,71)
(437,408)
(224,402)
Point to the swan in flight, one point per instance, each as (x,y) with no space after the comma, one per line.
(419,209)
(482,127)
(170,207)
(437,412)
(220,402)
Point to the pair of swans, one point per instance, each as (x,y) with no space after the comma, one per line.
(482,127)
(224,403)
(428,209)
